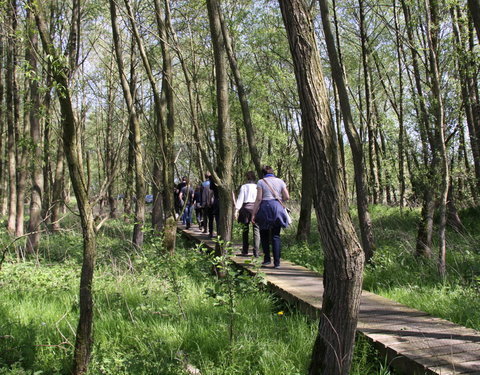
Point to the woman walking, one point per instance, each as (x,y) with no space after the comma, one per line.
(243,211)
(269,213)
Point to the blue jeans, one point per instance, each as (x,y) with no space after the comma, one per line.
(272,236)
(187,215)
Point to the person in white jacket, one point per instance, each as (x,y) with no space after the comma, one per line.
(243,212)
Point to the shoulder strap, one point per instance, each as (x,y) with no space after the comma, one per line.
(273,192)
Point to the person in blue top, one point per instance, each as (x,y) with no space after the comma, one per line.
(269,213)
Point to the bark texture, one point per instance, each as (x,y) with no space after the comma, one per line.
(61,75)
(344,258)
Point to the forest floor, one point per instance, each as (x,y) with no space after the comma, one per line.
(155,313)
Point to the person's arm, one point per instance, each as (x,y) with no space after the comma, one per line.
(240,199)
(285,194)
(257,203)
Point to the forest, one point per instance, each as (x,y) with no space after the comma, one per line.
(368,110)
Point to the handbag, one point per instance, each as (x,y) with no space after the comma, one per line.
(287,211)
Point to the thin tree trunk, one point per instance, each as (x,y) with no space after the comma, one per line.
(168,131)
(223,178)
(35,134)
(242,97)
(443,171)
(474,7)
(12,120)
(47,169)
(2,131)
(466,85)
(352,134)
(109,154)
(61,75)
(401,125)
(344,258)
(58,187)
(374,183)
(137,239)
(304,221)
(425,226)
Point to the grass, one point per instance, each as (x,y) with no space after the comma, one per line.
(153,313)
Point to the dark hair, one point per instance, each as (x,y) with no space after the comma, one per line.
(267,170)
(250,176)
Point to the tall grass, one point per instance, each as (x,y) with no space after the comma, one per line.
(152,314)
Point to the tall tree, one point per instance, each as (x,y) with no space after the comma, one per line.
(35,135)
(352,134)
(168,129)
(61,74)
(11,101)
(344,258)
(2,128)
(242,96)
(135,134)
(223,175)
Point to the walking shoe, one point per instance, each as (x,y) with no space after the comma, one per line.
(266,263)
(276,267)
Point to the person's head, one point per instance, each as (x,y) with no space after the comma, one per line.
(184,179)
(250,175)
(207,175)
(267,170)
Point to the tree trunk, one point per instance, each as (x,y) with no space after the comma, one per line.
(352,134)
(61,75)
(35,134)
(344,258)
(2,131)
(47,170)
(304,221)
(137,239)
(442,170)
(58,187)
(467,84)
(12,120)
(223,178)
(474,7)
(425,226)
(109,154)
(168,131)
(399,111)
(242,97)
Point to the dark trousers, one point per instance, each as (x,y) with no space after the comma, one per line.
(205,213)
(256,239)
(212,214)
(272,236)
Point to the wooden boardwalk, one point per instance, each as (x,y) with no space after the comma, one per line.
(413,341)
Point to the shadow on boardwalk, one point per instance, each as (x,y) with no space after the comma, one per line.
(413,341)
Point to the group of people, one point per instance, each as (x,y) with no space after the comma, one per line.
(203,200)
(259,204)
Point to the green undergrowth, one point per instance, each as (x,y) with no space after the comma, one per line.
(154,313)
(396,273)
